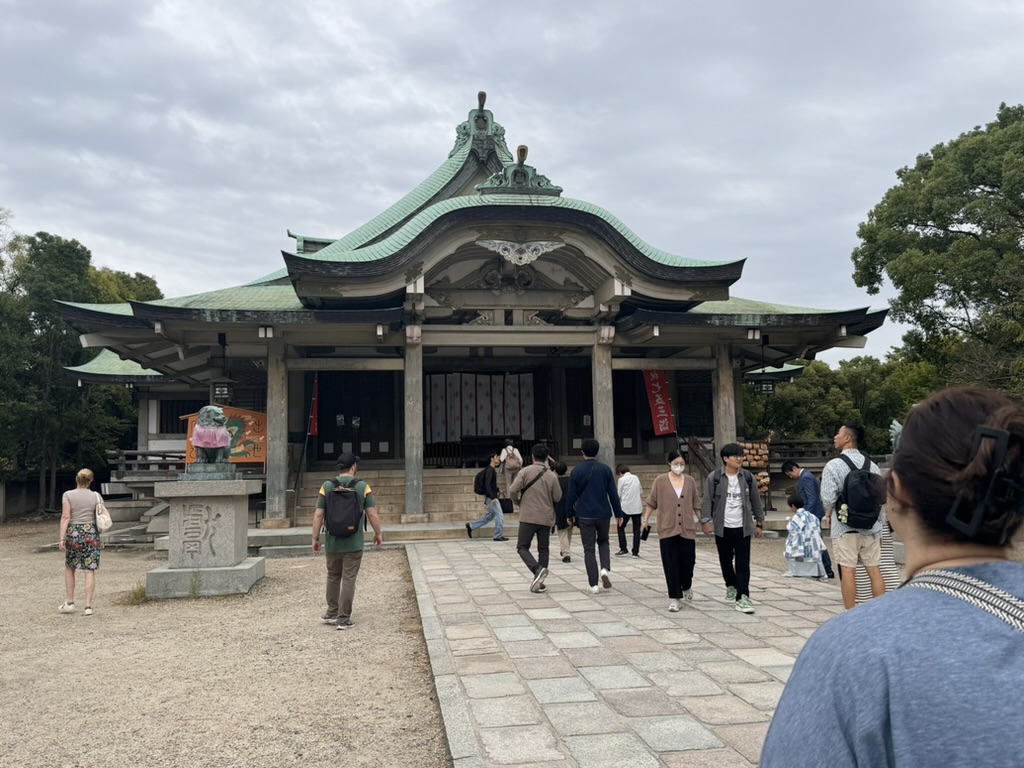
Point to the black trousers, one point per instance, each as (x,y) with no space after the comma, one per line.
(678,556)
(637,527)
(594,532)
(525,539)
(734,557)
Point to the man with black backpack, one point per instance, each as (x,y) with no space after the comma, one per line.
(486,484)
(343,505)
(852,493)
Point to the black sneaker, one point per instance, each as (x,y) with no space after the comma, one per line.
(501,538)
(469,531)
(567,559)
(622,553)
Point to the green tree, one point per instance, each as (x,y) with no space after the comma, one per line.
(950,238)
(52,423)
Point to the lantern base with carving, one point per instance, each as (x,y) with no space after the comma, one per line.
(208,540)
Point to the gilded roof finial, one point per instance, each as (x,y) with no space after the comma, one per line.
(482,98)
(521,152)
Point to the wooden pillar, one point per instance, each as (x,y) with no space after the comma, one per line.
(737,388)
(557,412)
(725,398)
(604,416)
(277,436)
(413,422)
(143,423)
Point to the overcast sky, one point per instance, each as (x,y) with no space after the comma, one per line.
(183,138)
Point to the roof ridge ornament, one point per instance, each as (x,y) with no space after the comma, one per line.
(481,129)
(519,179)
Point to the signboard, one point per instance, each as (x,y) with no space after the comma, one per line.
(660,401)
(248,430)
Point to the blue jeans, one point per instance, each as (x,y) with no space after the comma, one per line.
(493,513)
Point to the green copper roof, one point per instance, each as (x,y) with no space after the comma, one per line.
(124,310)
(242,297)
(737,306)
(341,251)
(106,363)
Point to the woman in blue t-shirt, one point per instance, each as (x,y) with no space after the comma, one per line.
(926,676)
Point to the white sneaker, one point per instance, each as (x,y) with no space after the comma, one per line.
(66,608)
(606,581)
(538,580)
(673,606)
(688,594)
(87,611)
(594,590)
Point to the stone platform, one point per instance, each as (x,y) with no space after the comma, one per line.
(167,582)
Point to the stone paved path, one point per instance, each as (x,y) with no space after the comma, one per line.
(566,678)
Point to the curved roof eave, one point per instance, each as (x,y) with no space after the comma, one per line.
(107,366)
(737,312)
(403,245)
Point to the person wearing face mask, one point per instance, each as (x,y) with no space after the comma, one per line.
(675,496)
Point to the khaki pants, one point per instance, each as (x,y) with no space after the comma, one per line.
(564,540)
(342,569)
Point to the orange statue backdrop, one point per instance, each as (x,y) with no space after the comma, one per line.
(248,431)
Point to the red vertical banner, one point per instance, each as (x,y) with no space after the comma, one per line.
(314,421)
(660,401)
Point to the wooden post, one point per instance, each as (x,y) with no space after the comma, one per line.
(277,436)
(413,424)
(604,417)
(725,398)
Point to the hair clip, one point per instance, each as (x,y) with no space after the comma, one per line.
(968,524)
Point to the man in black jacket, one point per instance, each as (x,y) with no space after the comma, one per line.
(591,500)
(491,504)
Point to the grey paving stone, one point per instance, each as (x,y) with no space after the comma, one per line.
(706,758)
(673,734)
(613,629)
(745,739)
(492,686)
(473,646)
(584,717)
(733,639)
(654,621)
(464,631)
(658,661)
(520,745)
(632,644)
(721,710)
(765,657)
(614,678)
(544,667)
(761,695)
(642,702)
(548,613)
(688,684)
(593,657)
(673,636)
(574,640)
(510,634)
(733,672)
(779,673)
(610,750)
(487,664)
(451,619)
(562,689)
(525,649)
(511,620)
(510,710)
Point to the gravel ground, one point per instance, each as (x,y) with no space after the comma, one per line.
(229,681)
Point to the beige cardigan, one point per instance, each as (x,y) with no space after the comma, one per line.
(677,515)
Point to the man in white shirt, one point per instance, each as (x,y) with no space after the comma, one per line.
(732,510)
(630,493)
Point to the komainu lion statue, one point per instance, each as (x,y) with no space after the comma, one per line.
(210,437)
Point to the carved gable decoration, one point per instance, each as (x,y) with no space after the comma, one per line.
(520,253)
(519,179)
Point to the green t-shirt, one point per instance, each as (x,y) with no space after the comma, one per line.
(355,542)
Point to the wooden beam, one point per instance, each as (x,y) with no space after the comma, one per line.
(663,364)
(346,364)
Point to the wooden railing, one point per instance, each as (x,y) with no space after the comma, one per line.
(145,464)
(700,457)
